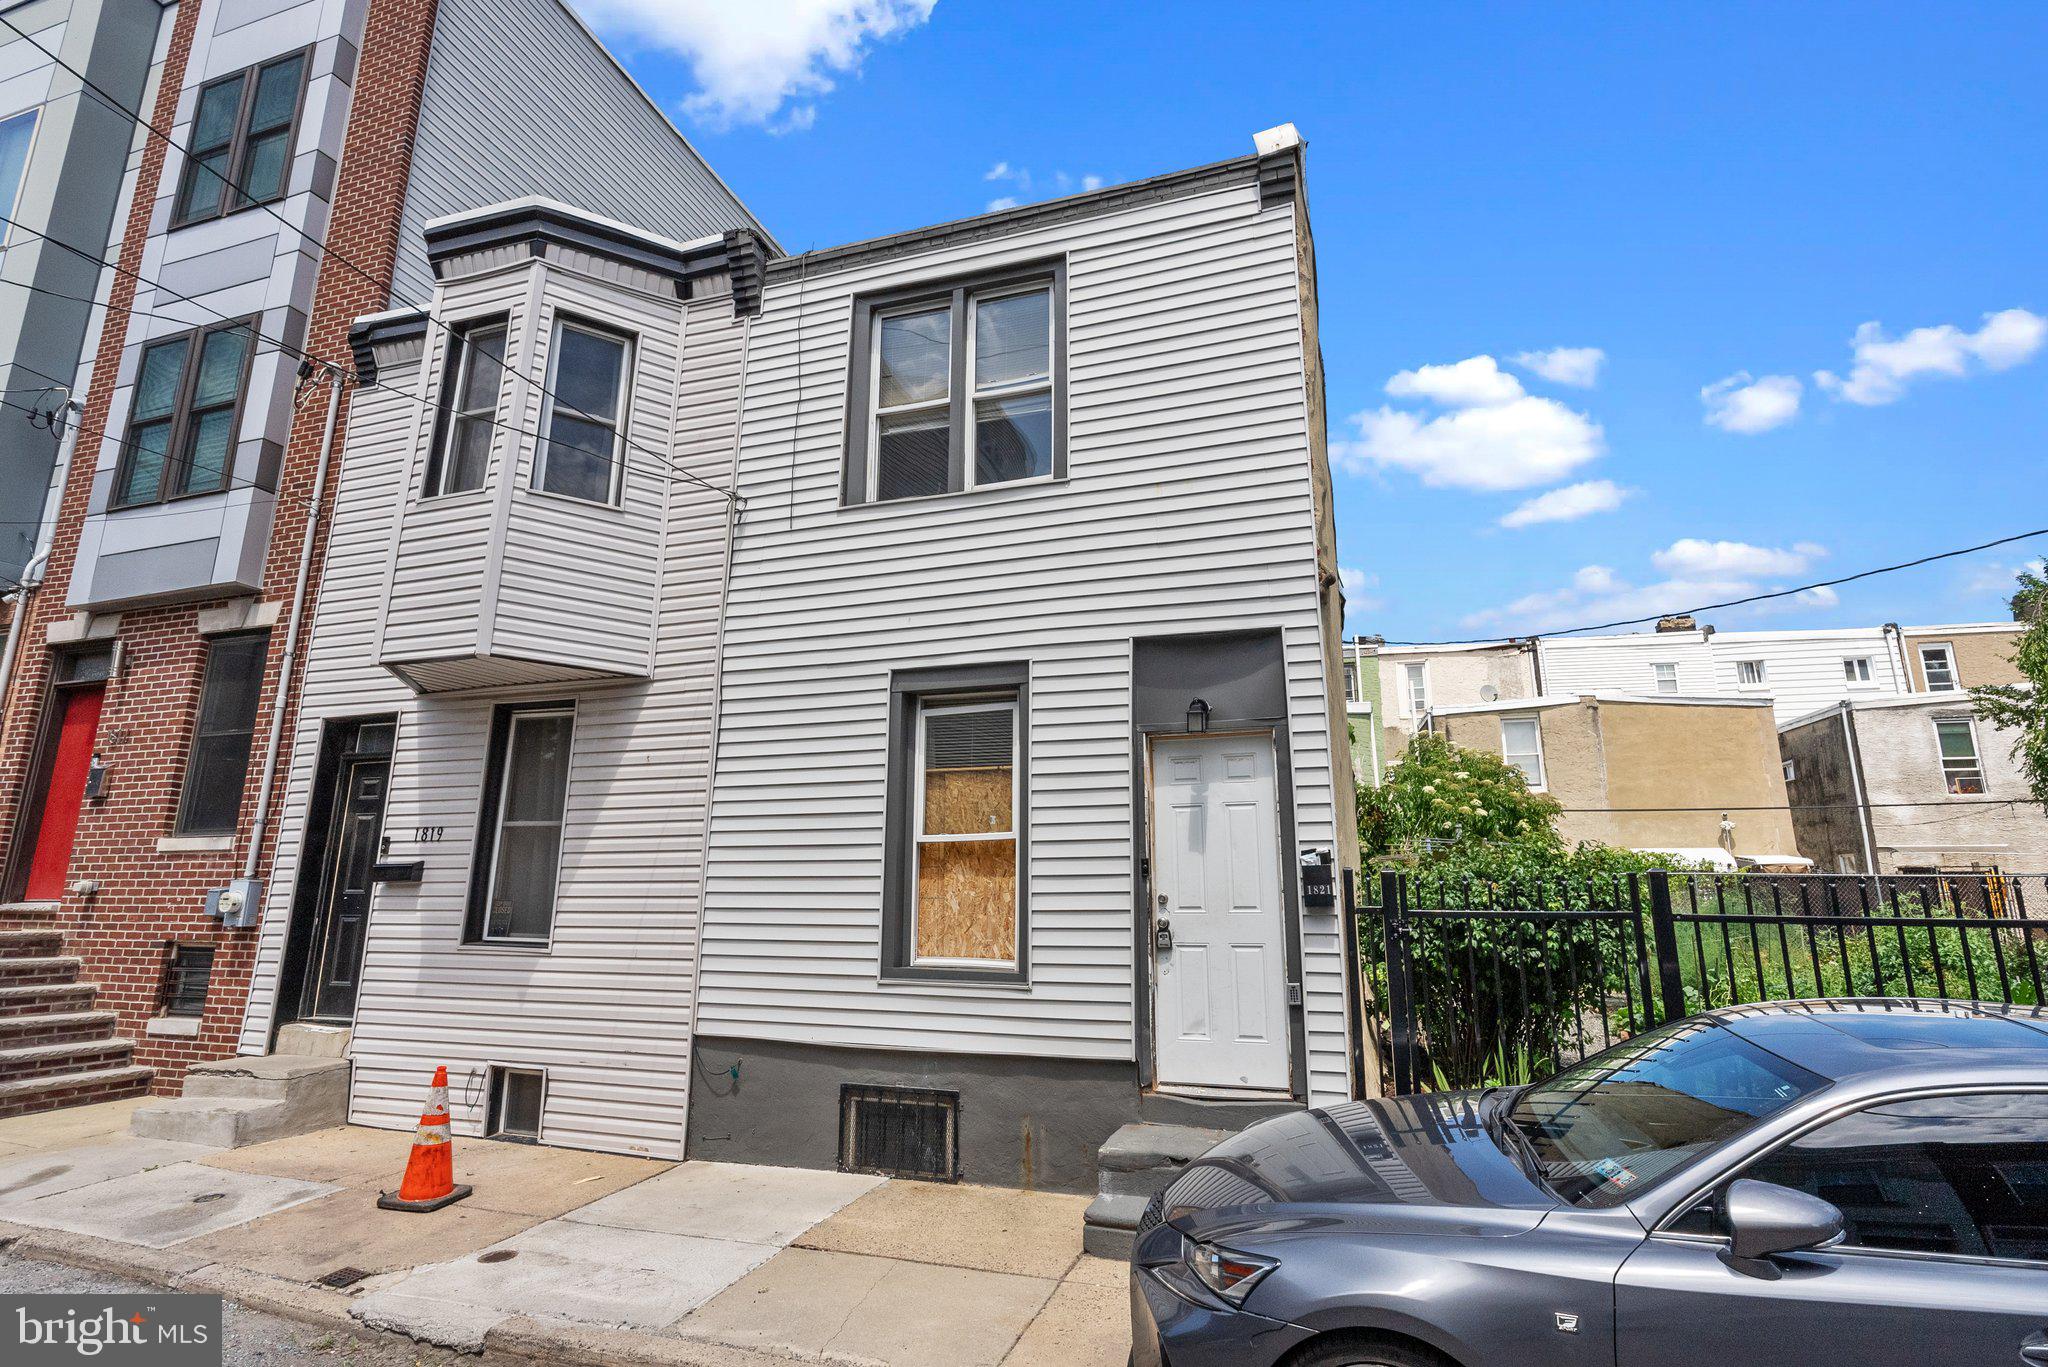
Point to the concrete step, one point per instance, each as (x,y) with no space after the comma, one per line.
(73,1089)
(1139,1160)
(301,1040)
(55,1027)
(23,1061)
(39,970)
(235,1101)
(1110,1224)
(38,999)
(30,943)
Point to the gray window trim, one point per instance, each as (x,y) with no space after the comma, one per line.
(629,364)
(956,289)
(907,689)
(175,455)
(238,143)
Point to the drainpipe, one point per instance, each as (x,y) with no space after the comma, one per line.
(1536,663)
(274,742)
(1896,639)
(1856,788)
(32,572)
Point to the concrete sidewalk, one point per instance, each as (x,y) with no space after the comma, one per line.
(563,1255)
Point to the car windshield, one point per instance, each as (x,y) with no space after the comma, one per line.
(1604,1129)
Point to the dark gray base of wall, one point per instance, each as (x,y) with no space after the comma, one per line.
(1024,1122)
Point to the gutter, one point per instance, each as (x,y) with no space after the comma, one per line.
(280,701)
(1857,791)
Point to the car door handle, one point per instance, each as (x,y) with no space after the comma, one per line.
(2034,1348)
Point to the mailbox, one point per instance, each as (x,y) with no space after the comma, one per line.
(1318,881)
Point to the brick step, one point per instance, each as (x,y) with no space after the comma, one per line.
(41,999)
(73,1089)
(55,1027)
(34,943)
(40,970)
(20,1062)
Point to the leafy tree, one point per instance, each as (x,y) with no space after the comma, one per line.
(2022,708)
(1442,797)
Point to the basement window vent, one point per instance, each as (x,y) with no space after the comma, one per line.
(187,975)
(900,1132)
(515,1104)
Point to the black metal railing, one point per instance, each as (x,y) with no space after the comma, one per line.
(1468,982)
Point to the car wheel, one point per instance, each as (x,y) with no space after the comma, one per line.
(1349,1351)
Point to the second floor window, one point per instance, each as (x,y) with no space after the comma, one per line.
(469,408)
(187,404)
(1938,666)
(957,389)
(582,451)
(1521,744)
(241,140)
(1667,677)
(1960,767)
(1856,670)
(1415,688)
(1749,673)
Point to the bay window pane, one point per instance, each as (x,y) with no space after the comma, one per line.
(468,455)
(1012,438)
(587,373)
(220,367)
(579,459)
(213,125)
(277,93)
(1012,339)
(483,370)
(915,359)
(264,170)
(912,454)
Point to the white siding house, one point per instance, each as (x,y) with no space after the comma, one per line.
(1133,550)
(1798,670)
(512,678)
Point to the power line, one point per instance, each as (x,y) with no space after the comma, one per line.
(382,286)
(1735,602)
(1802,806)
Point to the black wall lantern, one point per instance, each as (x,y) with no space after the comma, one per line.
(1198,717)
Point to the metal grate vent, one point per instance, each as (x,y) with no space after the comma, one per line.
(900,1132)
(342,1276)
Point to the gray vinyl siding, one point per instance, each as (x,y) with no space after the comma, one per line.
(605,1007)
(1187,508)
(561,120)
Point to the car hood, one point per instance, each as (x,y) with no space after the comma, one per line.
(1418,1161)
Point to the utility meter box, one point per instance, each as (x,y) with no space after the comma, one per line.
(239,905)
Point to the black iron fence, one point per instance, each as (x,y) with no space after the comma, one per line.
(1471,983)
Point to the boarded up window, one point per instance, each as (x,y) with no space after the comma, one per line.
(966,857)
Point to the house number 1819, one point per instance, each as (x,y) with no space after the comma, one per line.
(426,835)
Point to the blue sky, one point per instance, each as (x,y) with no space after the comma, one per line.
(1806,242)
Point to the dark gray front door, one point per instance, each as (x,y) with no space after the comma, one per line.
(343,914)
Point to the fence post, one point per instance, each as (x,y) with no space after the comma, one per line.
(1400,1002)
(1354,984)
(1664,935)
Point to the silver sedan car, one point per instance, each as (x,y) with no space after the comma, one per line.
(1815,1184)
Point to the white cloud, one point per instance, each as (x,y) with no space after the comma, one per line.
(1495,435)
(1031,187)
(1694,572)
(1569,504)
(1742,403)
(1572,365)
(1473,382)
(1360,590)
(1997,578)
(1886,365)
(761,61)
(1692,557)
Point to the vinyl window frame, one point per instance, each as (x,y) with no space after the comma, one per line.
(1947,654)
(455,369)
(187,790)
(1664,672)
(1859,671)
(860,477)
(1538,782)
(483,874)
(1761,670)
(621,424)
(182,416)
(909,692)
(1414,684)
(231,200)
(1954,771)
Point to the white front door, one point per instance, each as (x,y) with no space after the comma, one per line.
(1220,1018)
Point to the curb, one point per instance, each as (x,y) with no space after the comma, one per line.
(519,1339)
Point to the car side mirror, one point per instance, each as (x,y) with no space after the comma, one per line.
(1764,1219)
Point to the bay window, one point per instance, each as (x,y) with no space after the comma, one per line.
(582,447)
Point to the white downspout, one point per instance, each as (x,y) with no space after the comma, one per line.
(32,572)
(282,698)
(1856,786)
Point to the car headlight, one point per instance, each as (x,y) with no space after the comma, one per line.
(1231,1275)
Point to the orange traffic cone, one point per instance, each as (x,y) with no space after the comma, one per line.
(430,1172)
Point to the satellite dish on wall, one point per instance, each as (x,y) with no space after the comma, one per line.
(1488,693)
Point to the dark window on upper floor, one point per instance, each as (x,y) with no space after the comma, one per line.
(241,140)
(581,453)
(958,386)
(472,381)
(187,405)
(218,767)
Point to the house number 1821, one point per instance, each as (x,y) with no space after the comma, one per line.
(426,835)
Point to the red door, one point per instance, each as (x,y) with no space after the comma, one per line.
(66,790)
